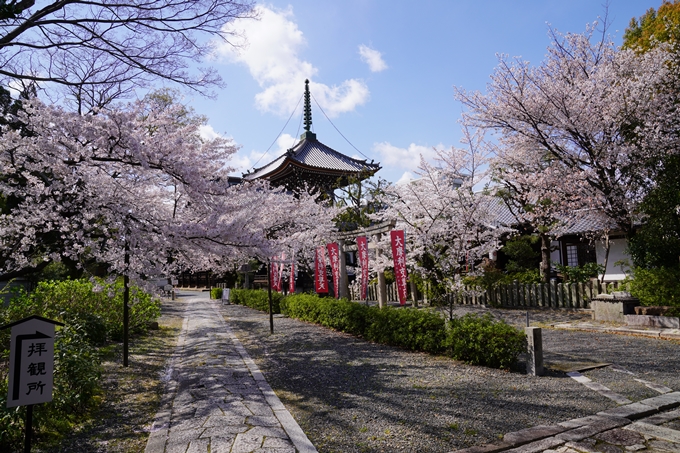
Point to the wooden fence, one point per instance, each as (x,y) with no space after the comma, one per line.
(517,295)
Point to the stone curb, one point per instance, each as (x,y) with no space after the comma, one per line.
(297,436)
(666,334)
(542,437)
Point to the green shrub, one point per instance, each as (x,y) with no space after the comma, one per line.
(216,293)
(658,286)
(257,299)
(76,381)
(417,330)
(412,329)
(481,340)
(93,304)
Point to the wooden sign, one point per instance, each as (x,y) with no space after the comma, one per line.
(31,361)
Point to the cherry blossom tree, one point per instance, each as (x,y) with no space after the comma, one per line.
(600,115)
(447,215)
(141,182)
(98,51)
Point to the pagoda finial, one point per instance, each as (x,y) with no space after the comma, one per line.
(308,107)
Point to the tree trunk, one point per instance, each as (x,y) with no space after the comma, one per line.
(545,257)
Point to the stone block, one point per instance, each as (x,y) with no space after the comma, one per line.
(612,310)
(652,311)
(659,432)
(532,434)
(488,448)
(664,402)
(630,411)
(665,322)
(534,351)
(538,446)
(595,427)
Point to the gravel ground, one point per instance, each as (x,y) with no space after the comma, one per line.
(350,395)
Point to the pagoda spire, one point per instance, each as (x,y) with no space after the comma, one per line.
(308,107)
(308,134)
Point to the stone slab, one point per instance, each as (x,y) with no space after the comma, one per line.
(664,417)
(630,411)
(538,446)
(664,402)
(659,432)
(665,322)
(597,426)
(488,448)
(534,433)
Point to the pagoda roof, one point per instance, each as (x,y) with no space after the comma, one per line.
(312,156)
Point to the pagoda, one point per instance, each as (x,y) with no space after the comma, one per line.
(311,163)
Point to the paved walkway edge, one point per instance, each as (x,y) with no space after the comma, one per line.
(297,436)
(161,424)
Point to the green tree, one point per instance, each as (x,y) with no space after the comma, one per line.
(654,26)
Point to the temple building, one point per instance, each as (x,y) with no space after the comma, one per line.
(310,162)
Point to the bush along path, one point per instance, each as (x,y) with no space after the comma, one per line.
(85,349)
(476,340)
(350,395)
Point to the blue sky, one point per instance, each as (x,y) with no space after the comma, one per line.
(383,70)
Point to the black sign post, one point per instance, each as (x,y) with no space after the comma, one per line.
(31,366)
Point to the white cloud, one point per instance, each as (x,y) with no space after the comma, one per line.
(372,58)
(406,158)
(207,132)
(271,50)
(406,178)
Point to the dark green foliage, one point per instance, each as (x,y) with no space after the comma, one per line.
(482,340)
(580,274)
(76,382)
(522,253)
(91,314)
(216,293)
(257,299)
(475,340)
(657,286)
(657,242)
(91,304)
(416,330)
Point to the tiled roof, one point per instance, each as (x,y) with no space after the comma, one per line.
(313,154)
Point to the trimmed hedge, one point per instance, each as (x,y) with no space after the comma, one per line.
(256,298)
(216,293)
(482,340)
(477,340)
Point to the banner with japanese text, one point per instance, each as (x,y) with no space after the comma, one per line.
(362,249)
(281,269)
(399,257)
(334,257)
(320,280)
(291,278)
(273,274)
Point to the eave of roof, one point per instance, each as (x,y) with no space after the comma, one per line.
(313,156)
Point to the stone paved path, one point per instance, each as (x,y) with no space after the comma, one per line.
(216,399)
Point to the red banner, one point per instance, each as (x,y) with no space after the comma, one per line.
(399,257)
(273,274)
(320,280)
(362,248)
(334,257)
(291,278)
(281,268)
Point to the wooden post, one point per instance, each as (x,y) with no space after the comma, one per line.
(269,293)
(382,287)
(344,282)
(414,293)
(126,305)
